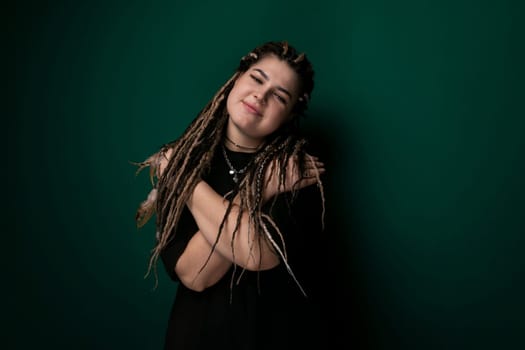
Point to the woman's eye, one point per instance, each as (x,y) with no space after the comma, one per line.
(259,81)
(280,98)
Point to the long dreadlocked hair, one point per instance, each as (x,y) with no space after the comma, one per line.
(192,152)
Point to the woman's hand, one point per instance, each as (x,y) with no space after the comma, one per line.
(294,180)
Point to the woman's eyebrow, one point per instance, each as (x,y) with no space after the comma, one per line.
(265,76)
(262,73)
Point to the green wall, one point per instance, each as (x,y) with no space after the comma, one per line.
(418,108)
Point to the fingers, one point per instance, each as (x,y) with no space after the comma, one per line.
(313,167)
(313,172)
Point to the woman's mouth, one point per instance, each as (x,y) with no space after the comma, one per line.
(251,108)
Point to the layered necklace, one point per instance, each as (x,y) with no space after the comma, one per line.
(233,172)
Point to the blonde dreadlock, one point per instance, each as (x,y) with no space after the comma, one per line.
(191,155)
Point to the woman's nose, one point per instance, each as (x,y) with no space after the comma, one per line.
(260,96)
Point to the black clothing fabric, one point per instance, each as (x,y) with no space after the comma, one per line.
(266,309)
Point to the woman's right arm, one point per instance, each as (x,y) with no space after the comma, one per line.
(198,267)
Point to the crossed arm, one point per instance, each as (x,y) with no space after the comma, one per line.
(196,268)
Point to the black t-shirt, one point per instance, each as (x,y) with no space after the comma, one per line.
(261,310)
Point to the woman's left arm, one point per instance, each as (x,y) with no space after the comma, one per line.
(245,247)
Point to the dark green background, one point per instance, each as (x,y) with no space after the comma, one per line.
(418,107)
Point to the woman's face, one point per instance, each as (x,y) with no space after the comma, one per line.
(261,100)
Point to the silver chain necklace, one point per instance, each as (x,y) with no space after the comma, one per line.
(234,172)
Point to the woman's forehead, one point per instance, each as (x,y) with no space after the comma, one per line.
(277,71)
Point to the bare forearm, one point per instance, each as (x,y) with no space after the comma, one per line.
(198,267)
(246,248)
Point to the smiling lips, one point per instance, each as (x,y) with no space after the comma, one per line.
(251,108)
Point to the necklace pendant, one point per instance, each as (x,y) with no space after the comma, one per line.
(233,172)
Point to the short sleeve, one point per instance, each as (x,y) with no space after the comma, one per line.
(177,244)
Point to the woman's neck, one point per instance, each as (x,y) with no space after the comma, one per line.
(234,146)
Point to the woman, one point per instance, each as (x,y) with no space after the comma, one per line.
(237,216)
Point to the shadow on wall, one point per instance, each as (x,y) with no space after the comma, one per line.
(345,309)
